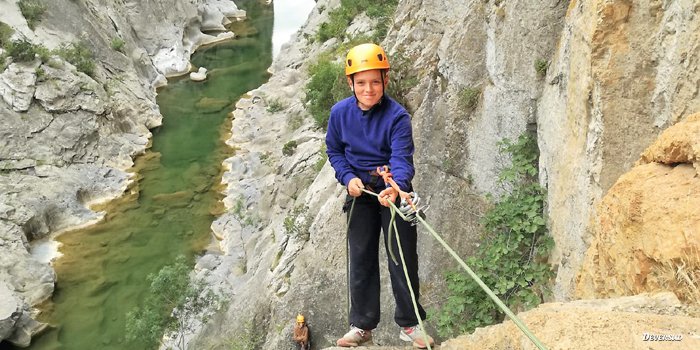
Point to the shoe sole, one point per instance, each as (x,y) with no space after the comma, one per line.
(403,336)
(346,344)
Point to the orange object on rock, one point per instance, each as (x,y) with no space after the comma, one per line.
(301,333)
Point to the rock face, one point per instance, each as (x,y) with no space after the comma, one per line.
(646,236)
(622,72)
(10,309)
(617,74)
(17,85)
(284,230)
(593,79)
(66,137)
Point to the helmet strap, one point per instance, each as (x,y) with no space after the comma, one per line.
(352,88)
(382,74)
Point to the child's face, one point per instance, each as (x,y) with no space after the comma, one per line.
(368,87)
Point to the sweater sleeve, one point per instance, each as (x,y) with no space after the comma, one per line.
(335,149)
(401,160)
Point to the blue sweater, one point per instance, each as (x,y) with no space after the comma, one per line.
(359,141)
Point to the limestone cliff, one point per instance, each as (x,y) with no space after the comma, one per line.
(67,138)
(616,74)
(621,73)
(291,258)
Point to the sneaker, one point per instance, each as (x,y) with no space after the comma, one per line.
(416,335)
(355,337)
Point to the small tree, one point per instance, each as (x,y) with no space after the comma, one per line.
(173,303)
(512,258)
(289,148)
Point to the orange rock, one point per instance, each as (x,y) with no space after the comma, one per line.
(648,224)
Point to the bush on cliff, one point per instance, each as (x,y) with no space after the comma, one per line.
(173,303)
(21,50)
(32,11)
(79,55)
(512,258)
(341,17)
(326,87)
(5,34)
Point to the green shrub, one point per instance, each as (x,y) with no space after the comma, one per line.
(541,66)
(323,157)
(402,78)
(117,44)
(5,34)
(40,73)
(43,52)
(512,259)
(79,55)
(289,148)
(340,18)
(250,337)
(326,87)
(274,106)
(338,22)
(294,226)
(469,97)
(173,301)
(295,120)
(32,10)
(21,50)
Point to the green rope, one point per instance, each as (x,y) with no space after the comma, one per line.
(392,223)
(408,280)
(483,286)
(347,259)
(476,278)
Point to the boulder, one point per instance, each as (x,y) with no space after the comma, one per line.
(646,236)
(64,89)
(17,85)
(199,75)
(10,311)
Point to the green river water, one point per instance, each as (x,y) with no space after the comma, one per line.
(168,211)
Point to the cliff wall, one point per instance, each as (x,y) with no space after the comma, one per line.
(68,137)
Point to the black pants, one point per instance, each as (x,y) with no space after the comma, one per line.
(369,218)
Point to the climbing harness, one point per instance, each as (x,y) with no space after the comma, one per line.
(409,202)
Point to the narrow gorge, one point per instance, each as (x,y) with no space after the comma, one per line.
(608,90)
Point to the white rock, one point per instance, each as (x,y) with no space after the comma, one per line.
(199,75)
(10,310)
(17,85)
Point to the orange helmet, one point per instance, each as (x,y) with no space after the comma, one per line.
(365,57)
